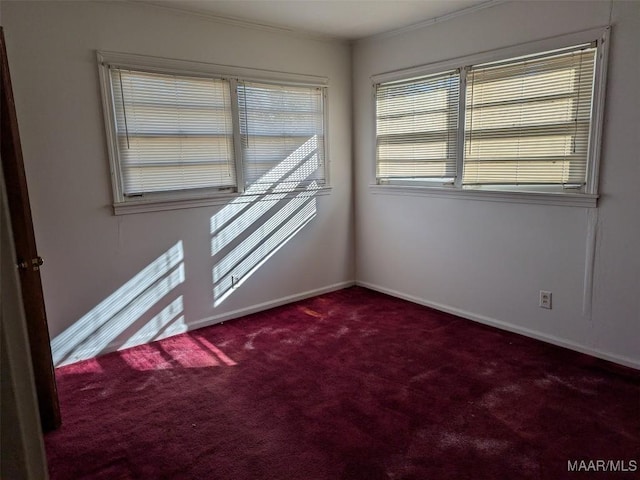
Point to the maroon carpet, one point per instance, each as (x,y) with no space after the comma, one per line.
(348,385)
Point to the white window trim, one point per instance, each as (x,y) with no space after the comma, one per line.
(521,195)
(184,199)
(142,206)
(540,198)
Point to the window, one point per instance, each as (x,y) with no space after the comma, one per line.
(281,122)
(417,128)
(181,132)
(528,123)
(173,132)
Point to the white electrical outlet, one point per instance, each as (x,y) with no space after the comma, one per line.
(545,299)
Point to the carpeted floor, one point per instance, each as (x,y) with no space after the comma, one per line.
(348,385)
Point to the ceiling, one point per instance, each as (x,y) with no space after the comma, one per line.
(343,19)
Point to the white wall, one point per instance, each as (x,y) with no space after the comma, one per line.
(484,260)
(488,260)
(90,253)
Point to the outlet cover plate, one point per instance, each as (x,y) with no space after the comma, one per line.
(545,299)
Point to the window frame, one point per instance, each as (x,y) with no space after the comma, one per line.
(524,194)
(417,82)
(188,198)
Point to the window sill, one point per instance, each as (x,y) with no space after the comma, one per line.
(539,198)
(157,205)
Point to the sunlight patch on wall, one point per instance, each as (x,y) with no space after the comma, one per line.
(261,187)
(258,235)
(92,333)
(252,262)
(245,237)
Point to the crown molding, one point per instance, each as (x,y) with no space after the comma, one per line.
(234,21)
(434,20)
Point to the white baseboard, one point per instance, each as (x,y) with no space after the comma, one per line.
(619,359)
(241,312)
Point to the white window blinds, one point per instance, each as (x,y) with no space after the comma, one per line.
(417,124)
(528,121)
(282,134)
(173,132)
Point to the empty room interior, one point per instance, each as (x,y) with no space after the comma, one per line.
(321,239)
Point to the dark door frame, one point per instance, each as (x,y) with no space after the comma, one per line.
(28,262)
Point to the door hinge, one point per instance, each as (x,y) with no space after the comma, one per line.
(35,264)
